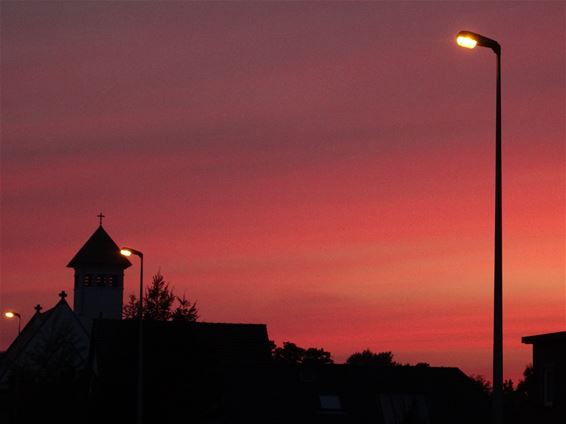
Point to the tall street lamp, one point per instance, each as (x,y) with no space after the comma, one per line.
(127,251)
(11,315)
(470,40)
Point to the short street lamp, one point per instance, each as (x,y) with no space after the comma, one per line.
(11,315)
(470,40)
(127,251)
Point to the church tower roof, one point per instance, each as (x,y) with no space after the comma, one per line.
(99,250)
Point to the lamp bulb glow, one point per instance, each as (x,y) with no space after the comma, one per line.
(466,41)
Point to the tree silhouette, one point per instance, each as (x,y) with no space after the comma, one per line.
(483,384)
(186,311)
(521,404)
(158,304)
(367,357)
(317,356)
(130,309)
(290,353)
(527,386)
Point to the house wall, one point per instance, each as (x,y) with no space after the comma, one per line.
(549,364)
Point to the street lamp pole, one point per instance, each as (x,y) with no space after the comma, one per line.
(126,251)
(498,268)
(469,39)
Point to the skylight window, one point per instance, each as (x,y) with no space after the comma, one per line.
(330,403)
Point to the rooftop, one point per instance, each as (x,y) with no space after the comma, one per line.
(99,250)
(545,338)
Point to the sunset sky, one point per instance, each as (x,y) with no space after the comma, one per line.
(325,168)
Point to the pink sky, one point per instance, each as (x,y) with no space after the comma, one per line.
(324,168)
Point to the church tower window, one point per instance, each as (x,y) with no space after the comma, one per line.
(109,281)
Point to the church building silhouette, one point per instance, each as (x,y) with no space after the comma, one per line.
(62,331)
(99,278)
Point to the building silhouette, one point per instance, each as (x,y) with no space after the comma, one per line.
(99,279)
(84,361)
(549,376)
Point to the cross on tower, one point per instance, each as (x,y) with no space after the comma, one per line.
(63,295)
(100,216)
(38,308)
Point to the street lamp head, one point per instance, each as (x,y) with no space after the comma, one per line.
(11,314)
(128,251)
(469,39)
(466,41)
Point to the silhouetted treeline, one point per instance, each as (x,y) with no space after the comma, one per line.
(518,401)
(159,303)
(290,353)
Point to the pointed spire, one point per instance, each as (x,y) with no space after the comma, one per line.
(99,250)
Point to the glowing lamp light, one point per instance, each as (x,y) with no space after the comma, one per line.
(128,251)
(12,314)
(466,41)
(469,40)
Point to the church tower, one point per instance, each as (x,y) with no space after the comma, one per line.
(99,278)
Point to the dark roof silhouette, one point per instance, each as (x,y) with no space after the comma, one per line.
(184,363)
(46,322)
(377,394)
(99,250)
(545,338)
(221,387)
(114,343)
